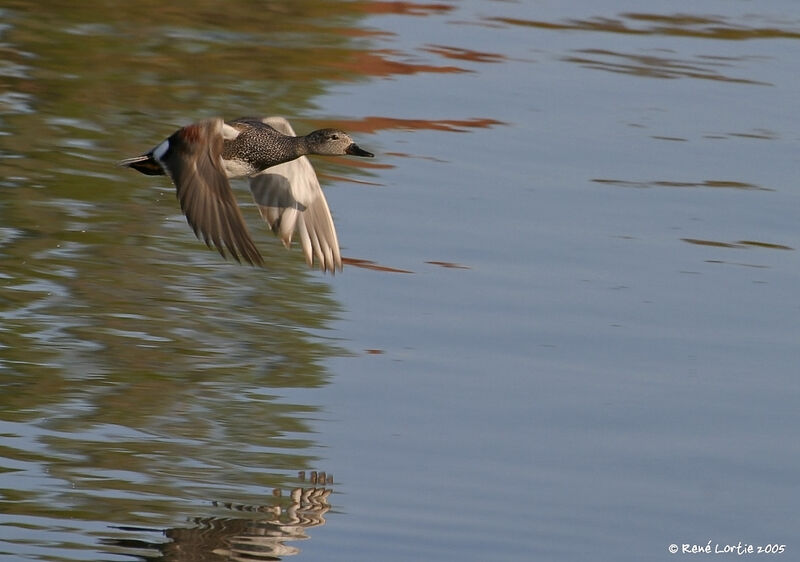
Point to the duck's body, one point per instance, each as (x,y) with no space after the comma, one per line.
(202,157)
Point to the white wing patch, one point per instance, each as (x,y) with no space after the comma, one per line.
(237,168)
(228,132)
(160,151)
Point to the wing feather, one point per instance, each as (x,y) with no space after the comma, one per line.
(194,163)
(290,199)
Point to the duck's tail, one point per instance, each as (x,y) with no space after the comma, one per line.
(145,164)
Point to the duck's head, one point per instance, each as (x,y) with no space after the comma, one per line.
(334,142)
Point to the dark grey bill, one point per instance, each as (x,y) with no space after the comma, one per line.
(356,150)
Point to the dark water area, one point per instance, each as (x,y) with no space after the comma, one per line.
(567,324)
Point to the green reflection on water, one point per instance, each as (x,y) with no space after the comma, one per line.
(100,272)
(139,372)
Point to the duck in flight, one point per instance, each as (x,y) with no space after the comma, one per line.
(202,157)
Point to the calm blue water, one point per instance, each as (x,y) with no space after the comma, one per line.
(592,352)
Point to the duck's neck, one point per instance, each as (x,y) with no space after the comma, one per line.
(285,149)
(299,146)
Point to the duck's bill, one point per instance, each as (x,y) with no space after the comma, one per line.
(355,150)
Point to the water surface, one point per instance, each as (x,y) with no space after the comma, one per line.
(568,327)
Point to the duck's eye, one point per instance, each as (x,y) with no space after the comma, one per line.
(334,137)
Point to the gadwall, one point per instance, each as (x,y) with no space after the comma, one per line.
(202,157)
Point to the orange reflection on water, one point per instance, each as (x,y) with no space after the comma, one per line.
(372,124)
(379,63)
(368,264)
(407,155)
(459,53)
(336,178)
(403,8)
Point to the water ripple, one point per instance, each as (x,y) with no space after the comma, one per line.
(681,25)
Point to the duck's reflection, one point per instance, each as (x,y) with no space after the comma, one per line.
(263,537)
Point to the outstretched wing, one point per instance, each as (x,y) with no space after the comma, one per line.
(290,199)
(193,160)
